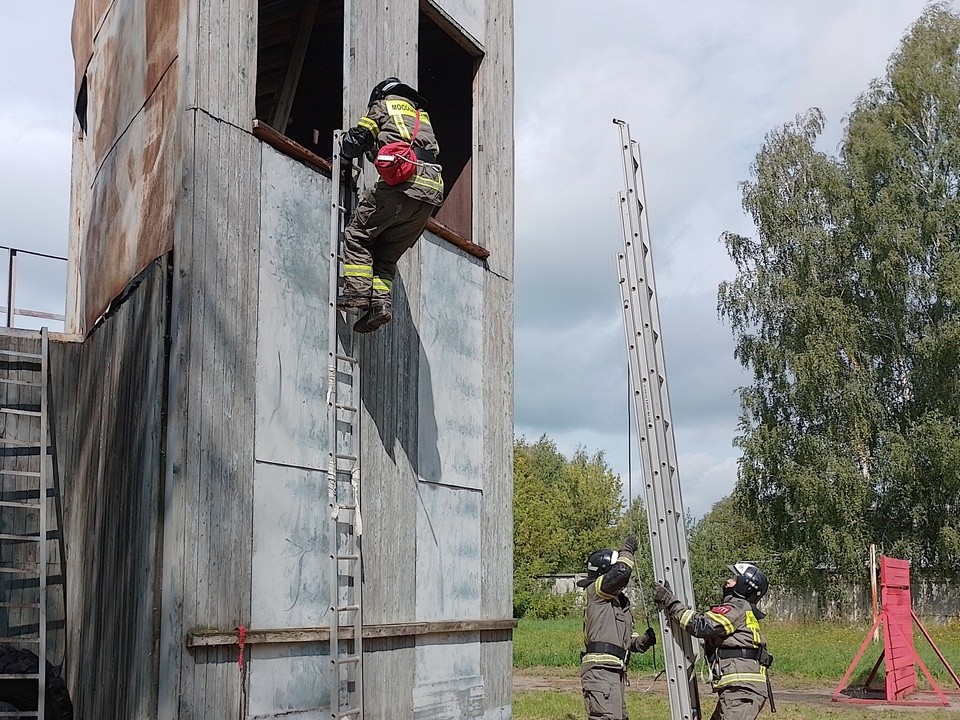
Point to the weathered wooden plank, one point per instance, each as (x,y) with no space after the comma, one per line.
(451,392)
(254,636)
(448,684)
(465,19)
(223,58)
(494,156)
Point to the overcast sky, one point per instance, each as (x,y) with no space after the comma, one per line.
(700,83)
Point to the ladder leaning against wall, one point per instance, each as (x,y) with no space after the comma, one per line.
(648,378)
(24,491)
(343,479)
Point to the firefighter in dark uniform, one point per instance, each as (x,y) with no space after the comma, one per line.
(389,218)
(608,632)
(736,652)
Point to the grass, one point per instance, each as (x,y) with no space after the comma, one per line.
(807,655)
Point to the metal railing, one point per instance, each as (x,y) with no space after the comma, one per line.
(11,311)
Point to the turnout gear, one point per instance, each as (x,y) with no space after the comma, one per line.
(608,633)
(388,219)
(735,650)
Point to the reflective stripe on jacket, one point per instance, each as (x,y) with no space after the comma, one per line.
(732,625)
(606,616)
(393,119)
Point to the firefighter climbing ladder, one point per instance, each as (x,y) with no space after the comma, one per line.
(343,481)
(24,448)
(668,537)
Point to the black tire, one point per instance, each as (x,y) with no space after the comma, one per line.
(22,694)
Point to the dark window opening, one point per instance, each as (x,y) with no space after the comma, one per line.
(300,70)
(81,107)
(446,73)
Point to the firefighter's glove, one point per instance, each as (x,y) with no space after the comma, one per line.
(355,142)
(649,639)
(630,543)
(662,596)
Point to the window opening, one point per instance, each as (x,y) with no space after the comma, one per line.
(300,70)
(81,107)
(446,74)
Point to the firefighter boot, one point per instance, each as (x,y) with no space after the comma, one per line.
(378,314)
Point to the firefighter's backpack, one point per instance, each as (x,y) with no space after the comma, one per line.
(397,161)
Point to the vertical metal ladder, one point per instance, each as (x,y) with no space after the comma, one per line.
(24,447)
(667,530)
(343,480)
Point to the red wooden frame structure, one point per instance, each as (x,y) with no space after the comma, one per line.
(899,654)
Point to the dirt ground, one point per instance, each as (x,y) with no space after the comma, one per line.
(568,680)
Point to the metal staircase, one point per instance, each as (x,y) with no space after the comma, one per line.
(24,492)
(668,534)
(343,480)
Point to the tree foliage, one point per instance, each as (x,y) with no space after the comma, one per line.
(846,308)
(564,509)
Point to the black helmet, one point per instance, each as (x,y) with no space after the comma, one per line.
(751,584)
(393,86)
(598,564)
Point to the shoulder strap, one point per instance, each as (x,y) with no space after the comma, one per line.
(416,127)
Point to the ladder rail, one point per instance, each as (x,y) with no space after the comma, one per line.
(44,503)
(345,561)
(664,505)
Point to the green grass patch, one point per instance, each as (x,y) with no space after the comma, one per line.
(803,652)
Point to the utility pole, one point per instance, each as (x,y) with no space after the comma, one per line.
(658,452)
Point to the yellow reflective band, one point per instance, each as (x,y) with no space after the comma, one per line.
(369,124)
(600,593)
(364,271)
(754,626)
(602,658)
(685,617)
(760,677)
(381,285)
(626,561)
(722,620)
(427,182)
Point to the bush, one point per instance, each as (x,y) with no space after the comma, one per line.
(533,598)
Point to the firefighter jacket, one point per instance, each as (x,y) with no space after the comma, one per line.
(608,621)
(736,652)
(393,119)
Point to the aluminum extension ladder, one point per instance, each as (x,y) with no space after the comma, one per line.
(24,492)
(343,480)
(665,517)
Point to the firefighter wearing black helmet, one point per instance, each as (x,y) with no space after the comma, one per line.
(389,219)
(736,651)
(608,632)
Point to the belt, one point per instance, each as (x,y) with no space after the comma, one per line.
(607,648)
(758,654)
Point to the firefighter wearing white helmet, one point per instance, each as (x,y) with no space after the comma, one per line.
(608,632)
(736,651)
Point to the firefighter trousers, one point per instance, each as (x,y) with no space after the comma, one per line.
(604,693)
(737,704)
(384,226)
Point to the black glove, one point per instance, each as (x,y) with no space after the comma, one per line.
(630,543)
(649,639)
(355,142)
(662,596)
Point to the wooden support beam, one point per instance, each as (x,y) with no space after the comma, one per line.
(299,51)
(211,638)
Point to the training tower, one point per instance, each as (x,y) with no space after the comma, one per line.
(189,397)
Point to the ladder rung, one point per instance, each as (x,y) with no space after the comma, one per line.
(347,713)
(348,557)
(19,571)
(348,608)
(11,504)
(19,676)
(351,507)
(20,473)
(349,659)
(20,443)
(16,353)
(346,358)
(348,408)
(22,383)
(9,640)
(14,536)
(21,606)
(17,411)
(351,458)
